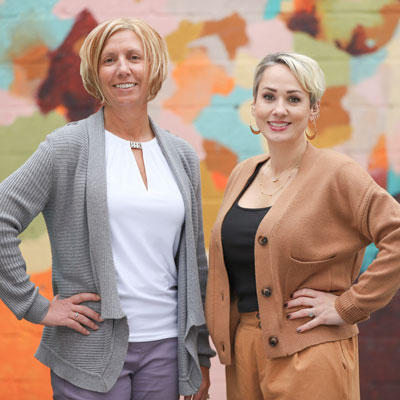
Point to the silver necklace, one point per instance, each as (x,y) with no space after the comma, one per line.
(136,145)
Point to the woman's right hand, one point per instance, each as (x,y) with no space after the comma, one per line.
(69,312)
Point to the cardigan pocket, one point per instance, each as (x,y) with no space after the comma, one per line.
(309,274)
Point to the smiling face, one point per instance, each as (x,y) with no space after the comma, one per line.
(282,106)
(122,70)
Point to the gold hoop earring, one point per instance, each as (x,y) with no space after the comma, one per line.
(311,137)
(254,131)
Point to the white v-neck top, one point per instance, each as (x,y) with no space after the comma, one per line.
(145,227)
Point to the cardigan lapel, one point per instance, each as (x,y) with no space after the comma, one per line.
(188,275)
(175,164)
(278,209)
(98,220)
(283,202)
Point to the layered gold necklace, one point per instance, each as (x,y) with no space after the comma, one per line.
(275,179)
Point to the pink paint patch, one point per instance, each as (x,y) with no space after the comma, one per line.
(173,123)
(371,90)
(14,107)
(259,38)
(150,11)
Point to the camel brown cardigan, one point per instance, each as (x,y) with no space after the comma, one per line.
(314,236)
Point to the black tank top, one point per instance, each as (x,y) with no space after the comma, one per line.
(238,233)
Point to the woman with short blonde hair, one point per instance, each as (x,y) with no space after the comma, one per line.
(122,203)
(155,53)
(282,302)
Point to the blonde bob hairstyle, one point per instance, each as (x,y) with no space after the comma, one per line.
(155,54)
(305,69)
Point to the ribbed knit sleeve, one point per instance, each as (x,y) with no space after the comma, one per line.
(23,195)
(378,218)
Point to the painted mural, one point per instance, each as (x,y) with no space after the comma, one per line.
(214,46)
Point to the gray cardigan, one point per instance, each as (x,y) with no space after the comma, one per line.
(65,179)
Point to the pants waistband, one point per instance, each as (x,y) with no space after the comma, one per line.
(250,318)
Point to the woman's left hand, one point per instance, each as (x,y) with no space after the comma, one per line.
(320,308)
(202,394)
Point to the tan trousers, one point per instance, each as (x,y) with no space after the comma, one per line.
(328,371)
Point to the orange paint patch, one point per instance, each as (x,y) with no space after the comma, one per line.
(211,199)
(379,35)
(215,171)
(78,44)
(334,124)
(219,180)
(30,70)
(21,375)
(333,136)
(304,5)
(61,110)
(197,80)
(231,30)
(383,33)
(378,157)
(178,41)
(358,43)
(220,160)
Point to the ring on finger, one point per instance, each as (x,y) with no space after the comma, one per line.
(76,315)
(310,313)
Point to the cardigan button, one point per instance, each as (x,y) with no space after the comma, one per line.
(273,341)
(267,291)
(262,240)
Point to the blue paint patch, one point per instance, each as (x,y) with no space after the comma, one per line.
(33,20)
(393,183)
(6,75)
(220,122)
(370,43)
(363,67)
(272,9)
(370,254)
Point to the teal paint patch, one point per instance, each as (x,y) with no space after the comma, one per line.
(363,67)
(272,9)
(370,254)
(6,75)
(220,122)
(393,183)
(25,23)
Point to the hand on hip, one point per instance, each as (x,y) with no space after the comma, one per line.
(320,307)
(69,312)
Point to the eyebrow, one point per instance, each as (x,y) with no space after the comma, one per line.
(288,91)
(129,51)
